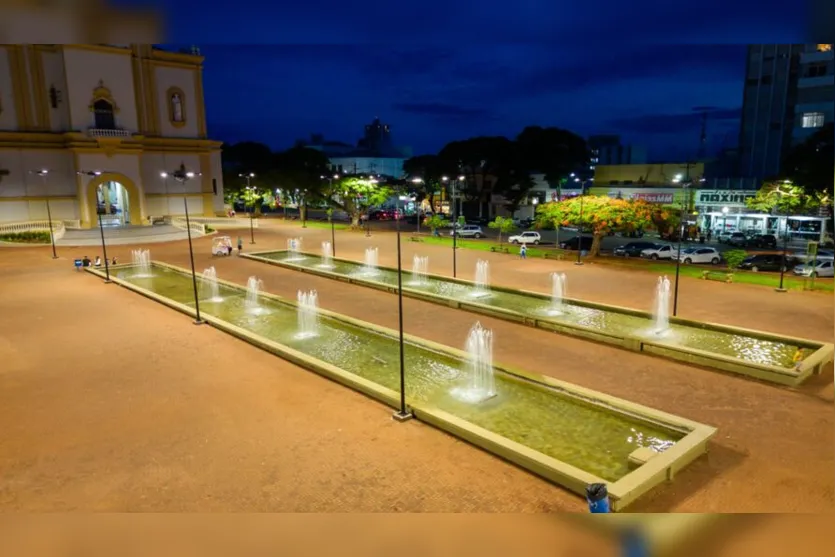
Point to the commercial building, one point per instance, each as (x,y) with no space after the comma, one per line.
(105,122)
(608,150)
(789,92)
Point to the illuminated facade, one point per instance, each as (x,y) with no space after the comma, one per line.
(105,121)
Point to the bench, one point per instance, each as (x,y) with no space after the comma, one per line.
(558,255)
(415,239)
(721,276)
(157,220)
(499,249)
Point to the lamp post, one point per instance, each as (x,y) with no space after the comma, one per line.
(580,224)
(43,174)
(454,225)
(250,189)
(403,413)
(684,204)
(417,212)
(330,213)
(93,173)
(368,215)
(783,196)
(182,176)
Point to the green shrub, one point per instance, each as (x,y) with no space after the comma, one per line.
(210,229)
(40,237)
(734,258)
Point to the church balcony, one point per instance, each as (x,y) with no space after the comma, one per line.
(103,132)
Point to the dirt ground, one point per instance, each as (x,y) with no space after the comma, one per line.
(111,402)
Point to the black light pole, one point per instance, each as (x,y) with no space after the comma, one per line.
(580,225)
(678,253)
(781,288)
(303,209)
(43,173)
(182,175)
(101,229)
(403,414)
(330,213)
(417,212)
(455,228)
(249,177)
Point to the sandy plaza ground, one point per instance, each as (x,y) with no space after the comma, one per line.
(112,402)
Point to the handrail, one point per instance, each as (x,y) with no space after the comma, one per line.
(58,227)
(196,227)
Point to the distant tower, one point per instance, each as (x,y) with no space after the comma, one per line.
(377,137)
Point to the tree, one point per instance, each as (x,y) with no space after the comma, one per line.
(304,172)
(601,214)
(553,151)
(434,223)
(504,225)
(783,198)
(355,194)
(244,158)
(484,161)
(425,174)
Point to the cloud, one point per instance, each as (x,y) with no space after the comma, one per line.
(673,123)
(443,110)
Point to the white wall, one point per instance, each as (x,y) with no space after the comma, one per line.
(21,182)
(53,72)
(8,117)
(84,69)
(155,163)
(183,78)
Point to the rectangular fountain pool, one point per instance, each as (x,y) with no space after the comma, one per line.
(754,353)
(569,435)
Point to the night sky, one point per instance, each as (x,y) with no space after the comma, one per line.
(637,69)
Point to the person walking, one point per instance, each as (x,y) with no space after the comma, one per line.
(523,251)
(240,245)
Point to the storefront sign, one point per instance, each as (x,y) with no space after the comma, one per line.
(724,197)
(649,197)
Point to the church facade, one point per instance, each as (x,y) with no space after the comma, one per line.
(96,131)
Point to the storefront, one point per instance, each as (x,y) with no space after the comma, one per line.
(727,210)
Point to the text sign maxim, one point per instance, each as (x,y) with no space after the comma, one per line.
(725,197)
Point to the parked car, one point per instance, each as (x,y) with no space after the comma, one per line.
(765,241)
(572,243)
(737,239)
(802,256)
(700,255)
(765,262)
(722,236)
(528,237)
(468,231)
(817,268)
(633,249)
(660,251)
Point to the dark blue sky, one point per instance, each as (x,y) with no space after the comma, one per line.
(437,72)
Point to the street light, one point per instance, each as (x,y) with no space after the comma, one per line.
(330,213)
(249,188)
(182,176)
(367,215)
(403,413)
(417,212)
(580,224)
(454,225)
(783,195)
(93,173)
(43,173)
(685,185)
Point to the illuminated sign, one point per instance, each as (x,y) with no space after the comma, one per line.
(724,197)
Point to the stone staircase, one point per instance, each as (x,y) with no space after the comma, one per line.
(122,235)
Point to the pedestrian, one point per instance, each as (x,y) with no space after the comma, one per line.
(523,251)
(86,261)
(97,262)
(240,245)
(709,234)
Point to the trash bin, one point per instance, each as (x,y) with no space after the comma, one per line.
(598,498)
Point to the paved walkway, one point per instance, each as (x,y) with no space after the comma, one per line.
(202,422)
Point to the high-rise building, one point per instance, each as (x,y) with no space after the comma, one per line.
(608,150)
(789,92)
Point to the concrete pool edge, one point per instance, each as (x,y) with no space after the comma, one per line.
(658,469)
(823,353)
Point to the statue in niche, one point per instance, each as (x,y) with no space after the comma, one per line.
(177,107)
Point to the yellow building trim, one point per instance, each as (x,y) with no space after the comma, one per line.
(177,65)
(66,85)
(175,195)
(19,88)
(107,49)
(134,196)
(138,94)
(39,198)
(151,98)
(199,102)
(181,57)
(39,87)
(169,101)
(208,205)
(102,93)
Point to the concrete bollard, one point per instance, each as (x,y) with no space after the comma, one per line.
(598,498)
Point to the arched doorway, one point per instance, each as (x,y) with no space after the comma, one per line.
(113,204)
(115,198)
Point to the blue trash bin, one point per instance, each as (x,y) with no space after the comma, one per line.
(598,498)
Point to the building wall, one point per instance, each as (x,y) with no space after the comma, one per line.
(85,70)
(36,135)
(645,174)
(370,165)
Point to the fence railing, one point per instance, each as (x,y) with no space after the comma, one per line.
(58,228)
(71,224)
(225,222)
(196,227)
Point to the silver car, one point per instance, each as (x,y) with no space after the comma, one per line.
(468,231)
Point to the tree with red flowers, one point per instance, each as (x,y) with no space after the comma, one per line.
(601,215)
